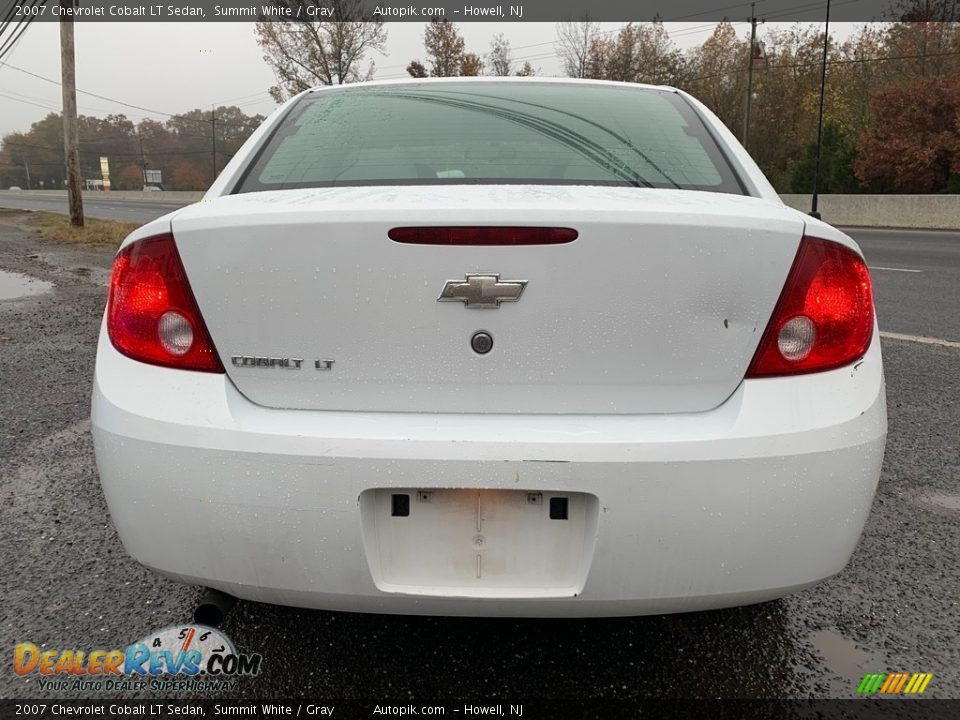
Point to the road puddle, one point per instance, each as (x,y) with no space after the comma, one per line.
(842,656)
(942,501)
(15,285)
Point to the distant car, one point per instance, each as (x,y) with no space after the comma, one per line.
(491,347)
(151,188)
(16,187)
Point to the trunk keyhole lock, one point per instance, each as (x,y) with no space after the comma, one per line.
(481,342)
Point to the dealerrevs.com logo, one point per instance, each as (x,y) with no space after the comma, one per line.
(180,657)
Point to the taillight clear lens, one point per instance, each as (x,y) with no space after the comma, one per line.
(824,318)
(152,315)
(796,337)
(176,333)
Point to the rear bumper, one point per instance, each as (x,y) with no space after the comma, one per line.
(766,494)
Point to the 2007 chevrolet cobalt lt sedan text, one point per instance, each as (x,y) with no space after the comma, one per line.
(491,347)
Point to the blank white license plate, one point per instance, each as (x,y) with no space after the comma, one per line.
(479,543)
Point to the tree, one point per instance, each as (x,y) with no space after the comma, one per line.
(597,60)
(915,146)
(303,54)
(719,79)
(786,98)
(445,47)
(526,71)
(128,177)
(471,65)
(193,133)
(836,164)
(187,176)
(574,42)
(445,53)
(499,56)
(641,53)
(858,77)
(40,148)
(160,145)
(925,39)
(417,70)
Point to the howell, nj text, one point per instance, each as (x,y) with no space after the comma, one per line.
(492,11)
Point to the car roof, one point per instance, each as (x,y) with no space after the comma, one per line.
(494,79)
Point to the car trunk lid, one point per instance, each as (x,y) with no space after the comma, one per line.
(656,307)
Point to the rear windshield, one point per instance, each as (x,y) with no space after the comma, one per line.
(491,133)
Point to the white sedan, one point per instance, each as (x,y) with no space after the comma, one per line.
(491,347)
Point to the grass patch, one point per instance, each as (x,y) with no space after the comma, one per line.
(52,226)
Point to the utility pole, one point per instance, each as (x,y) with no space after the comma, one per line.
(26,166)
(213,136)
(753,45)
(814,212)
(71,137)
(143,160)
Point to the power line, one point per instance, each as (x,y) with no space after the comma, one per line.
(120,102)
(29,102)
(841,61)
(14,41)
(675,34)
(247,99)
(11,13)
(14,38)
(39,102)
(672,35)
(105,152)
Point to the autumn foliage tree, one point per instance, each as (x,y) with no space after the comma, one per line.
(890,113)
(187,175)
(471,65)
(877,65)
(640,53)
(915,145)
(446,53)
(304,54)
(717,76)
(162,146)
(786,98)
(127,177)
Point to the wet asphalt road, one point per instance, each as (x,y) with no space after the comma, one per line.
(67,582)
(107,209)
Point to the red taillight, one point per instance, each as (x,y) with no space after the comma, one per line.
(483,235)
(824,318)
(151,313)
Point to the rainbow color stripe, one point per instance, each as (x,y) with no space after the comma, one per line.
(894,683)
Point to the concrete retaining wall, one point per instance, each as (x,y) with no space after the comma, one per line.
(175,196)
(933,212)
(186,196)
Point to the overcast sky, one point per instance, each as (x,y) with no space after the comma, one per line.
(175,67)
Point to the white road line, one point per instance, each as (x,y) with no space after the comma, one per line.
(874,267)
(919,339)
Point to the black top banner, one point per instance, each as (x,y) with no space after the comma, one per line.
(478,10)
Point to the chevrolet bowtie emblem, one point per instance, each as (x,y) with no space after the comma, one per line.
(482,291)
